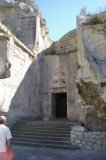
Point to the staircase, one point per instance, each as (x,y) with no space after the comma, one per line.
(52,134)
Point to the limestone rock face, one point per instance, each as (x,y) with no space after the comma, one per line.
(91,74)
(74,66)
(26,23)
(35,78)
(58,76)
(66,44)
(18,91)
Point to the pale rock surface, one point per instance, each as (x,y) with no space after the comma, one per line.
(58,76)
(17,92)
(74,65)
(91,75)
(26,22)
(67,43)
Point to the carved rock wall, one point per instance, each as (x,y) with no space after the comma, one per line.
(28,91)
(17,91)
(30,88)
(26,23)
(58,76)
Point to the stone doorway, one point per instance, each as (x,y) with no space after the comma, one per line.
(59,105)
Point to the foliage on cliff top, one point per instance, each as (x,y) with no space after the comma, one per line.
(98,19)
(83,11)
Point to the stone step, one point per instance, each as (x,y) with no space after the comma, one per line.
(58,138)
(40,131)
(44,122)
(44,125)
(41,128)
(41,134)
(67,147)
(42,141)
(37,123)
(47,132)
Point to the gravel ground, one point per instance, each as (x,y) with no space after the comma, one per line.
(31,153)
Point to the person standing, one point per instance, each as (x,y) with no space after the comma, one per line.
(5,141)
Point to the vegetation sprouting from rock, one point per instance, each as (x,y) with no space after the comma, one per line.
(98,19)
(52,52)
(73,41)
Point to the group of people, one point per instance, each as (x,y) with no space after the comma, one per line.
(5,141)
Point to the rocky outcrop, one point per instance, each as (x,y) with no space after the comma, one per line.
(46,68)
(67,43)
(91,75)
(6,51)
(21,93)
(26,23)
(17,91)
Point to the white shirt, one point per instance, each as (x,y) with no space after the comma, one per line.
(4,135)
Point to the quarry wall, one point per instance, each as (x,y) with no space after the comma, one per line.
(16,92)
(33,68)
(90,77)
(58,76)
(26,23)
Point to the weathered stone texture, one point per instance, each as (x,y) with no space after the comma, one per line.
(57,73)
(26,23)
(18,91)
(47,74)
(66,44)
(75,65)
(85,141)
(4,57)
(91,77)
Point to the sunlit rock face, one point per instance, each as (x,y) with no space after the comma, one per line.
(15,89)
(26,23)
(91,74)
(67,43)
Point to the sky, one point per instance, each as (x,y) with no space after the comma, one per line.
(61,15)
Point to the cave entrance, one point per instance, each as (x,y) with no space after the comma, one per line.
(59,105)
